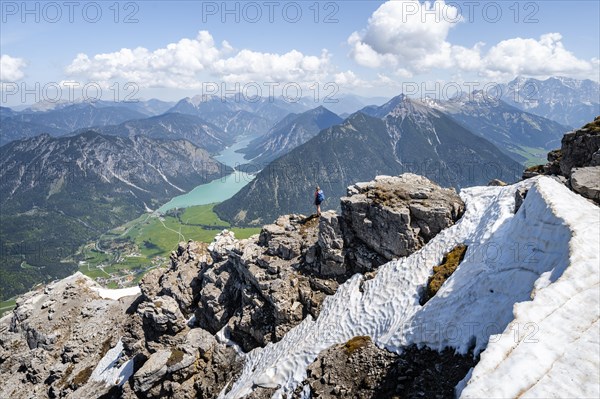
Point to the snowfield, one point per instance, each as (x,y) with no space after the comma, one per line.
(117,293)
(526,297)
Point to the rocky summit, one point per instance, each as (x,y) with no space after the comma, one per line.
(186,333)
(577,162)
(52,343)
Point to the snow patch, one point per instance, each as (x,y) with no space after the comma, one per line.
(548,251)
(106,293)
(107,371)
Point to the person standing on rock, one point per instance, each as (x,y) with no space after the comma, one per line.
(319,198)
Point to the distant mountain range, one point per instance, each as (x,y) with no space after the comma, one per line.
(173,126)
(567,101)
(147,107)
(289,133)
(402,135)
(57,193)
(238,117)
(346,104)
(62,120)
(513,130)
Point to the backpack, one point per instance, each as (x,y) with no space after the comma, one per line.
(320,196)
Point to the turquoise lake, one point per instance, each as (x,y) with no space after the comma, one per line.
(217,190)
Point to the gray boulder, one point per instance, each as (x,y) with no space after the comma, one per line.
(395,216)
(153,370)
(162,315)
(586,181)
(331,244)
(360,370)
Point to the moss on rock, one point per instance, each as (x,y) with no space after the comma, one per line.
(356,343)
(176,357)
(442,272)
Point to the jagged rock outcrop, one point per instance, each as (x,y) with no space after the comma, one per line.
(258,288)
(359,369)
(56,336)
(581,148)
(577,162)
(262,287)
(394,216)
(183,335)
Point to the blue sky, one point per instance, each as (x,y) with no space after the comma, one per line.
(365,47)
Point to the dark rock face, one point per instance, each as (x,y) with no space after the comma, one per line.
(577,163)
(520,195)
(359,369)
(581,148)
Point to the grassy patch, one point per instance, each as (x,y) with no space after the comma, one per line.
(122,256)
(593,126)
(245,232)
(105,347)
(67,373)
(536,169)
(7,306)
(532,155)
(83,376)
(442,272)
(202,215)
(387,195)
(356,343)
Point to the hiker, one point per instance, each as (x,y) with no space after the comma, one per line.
(319,197)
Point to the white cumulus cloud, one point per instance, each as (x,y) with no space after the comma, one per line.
(293,66)
(11,68)
(544,57)
(178,65)
(411,37)
(406,34)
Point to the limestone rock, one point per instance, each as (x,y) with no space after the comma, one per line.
(162,315)
(395,216)
(359,369)
(152,371)
(586,181)
(45,357)
(331,244)
(496,183)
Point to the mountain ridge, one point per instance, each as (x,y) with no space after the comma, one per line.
(73,188)
(425,142)
(287,134)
